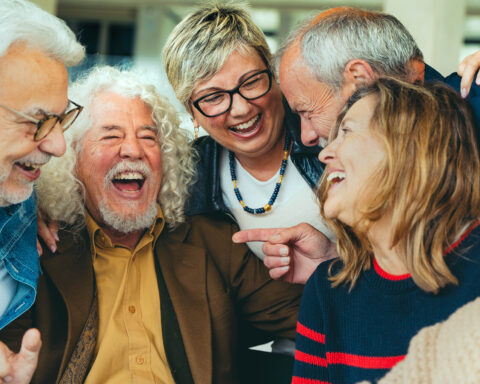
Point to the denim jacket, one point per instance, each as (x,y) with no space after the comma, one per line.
(18,253)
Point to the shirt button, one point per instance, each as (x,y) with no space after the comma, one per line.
(131,308)
(140,360)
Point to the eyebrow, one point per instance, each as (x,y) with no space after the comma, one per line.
(41,111)
(215,89)
(111,127)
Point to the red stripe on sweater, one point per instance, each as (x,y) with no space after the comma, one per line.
(301,380)
(387,275)
(310,359)
(463,237)
(310,333)
(367,362)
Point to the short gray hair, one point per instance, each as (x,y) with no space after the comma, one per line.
(200,44)
(61,195)
(24,22)
(329,42)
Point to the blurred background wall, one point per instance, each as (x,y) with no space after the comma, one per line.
(132,32)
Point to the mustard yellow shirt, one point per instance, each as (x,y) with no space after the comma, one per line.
(130,343)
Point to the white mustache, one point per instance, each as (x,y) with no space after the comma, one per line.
(35,158)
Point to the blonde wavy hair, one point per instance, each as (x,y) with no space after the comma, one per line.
(429,181)
(201,43)
(60,193)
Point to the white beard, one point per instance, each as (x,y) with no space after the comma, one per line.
(128,223)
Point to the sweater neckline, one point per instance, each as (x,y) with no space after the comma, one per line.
(397,284)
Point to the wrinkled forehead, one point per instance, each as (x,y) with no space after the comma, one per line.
(115,109)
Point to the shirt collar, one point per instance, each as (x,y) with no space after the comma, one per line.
(97,236)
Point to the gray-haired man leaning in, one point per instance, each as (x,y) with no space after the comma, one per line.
(323,62)
(35,47)
(137,292)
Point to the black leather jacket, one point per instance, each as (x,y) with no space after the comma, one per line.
(206,195)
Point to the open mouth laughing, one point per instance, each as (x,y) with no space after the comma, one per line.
(128,181)
(28,169)
(336,177)
(247,127)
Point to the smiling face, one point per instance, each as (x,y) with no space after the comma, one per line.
(352,159)
(315,102)
(34,84)
(119,163)
(251,128)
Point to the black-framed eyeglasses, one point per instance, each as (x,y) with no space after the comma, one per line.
(219,102)
(47,123)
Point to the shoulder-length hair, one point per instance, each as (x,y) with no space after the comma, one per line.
(61,195)
(429,181)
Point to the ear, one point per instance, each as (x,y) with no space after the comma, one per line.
(415,71)
(358,73)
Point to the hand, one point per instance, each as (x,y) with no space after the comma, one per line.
(467,69)
(19,368)
(48,232)
(291,254)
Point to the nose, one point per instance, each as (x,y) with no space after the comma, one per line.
(54,143)
(308,135)
(328,153)
(240,106)
(131,148)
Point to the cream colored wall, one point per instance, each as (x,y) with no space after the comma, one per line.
(437,27)
(47,5)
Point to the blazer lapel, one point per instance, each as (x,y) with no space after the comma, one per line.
(71,270)
(184,270)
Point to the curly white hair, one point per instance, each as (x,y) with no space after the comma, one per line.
(61,194)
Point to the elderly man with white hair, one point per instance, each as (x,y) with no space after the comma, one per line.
(136,292)
(34,111)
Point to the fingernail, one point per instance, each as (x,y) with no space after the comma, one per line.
(55,236)
(7,379)
(284,251)
(285,260)
(275,237)
(234,238)
(463,92)
(53,248)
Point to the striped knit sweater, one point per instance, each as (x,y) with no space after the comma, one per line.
(346,337)
(444,353)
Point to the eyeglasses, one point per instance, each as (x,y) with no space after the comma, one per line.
(46,124)
(219,102)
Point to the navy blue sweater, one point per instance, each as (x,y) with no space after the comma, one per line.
(347,337)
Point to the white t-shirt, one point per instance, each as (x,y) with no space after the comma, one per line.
(8,288)
(296,203)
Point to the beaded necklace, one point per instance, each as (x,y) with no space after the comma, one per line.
(267,207)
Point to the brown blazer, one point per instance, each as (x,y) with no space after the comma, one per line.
(212,284)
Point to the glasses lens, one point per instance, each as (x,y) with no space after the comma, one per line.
(68,118)
(255,86)
(45,127)
(215,103)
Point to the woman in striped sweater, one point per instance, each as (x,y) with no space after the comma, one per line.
(402,191)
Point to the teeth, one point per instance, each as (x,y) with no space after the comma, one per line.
(246,125)
(336,175)
(30,165)
(130,175)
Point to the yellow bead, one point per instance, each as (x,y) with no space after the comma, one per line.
(280,179)
(267,207)
(234,184)
(242,203)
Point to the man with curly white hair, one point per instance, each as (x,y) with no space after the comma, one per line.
(35,49)
(136,292)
